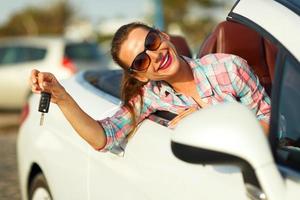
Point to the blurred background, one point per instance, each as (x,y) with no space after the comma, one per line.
(67,36)
(99,19)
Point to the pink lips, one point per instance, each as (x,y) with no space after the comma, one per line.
(165,64)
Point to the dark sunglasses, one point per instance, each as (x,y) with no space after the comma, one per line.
(142,60)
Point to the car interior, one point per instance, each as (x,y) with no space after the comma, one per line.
(234,38)
(228,37)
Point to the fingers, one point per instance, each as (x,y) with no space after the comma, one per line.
(35,88)
(33,76)
(33,81)
(39,80)
(44,77)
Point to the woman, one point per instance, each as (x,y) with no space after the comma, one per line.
(157,78)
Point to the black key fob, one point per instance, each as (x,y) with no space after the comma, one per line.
(44,105)
(44,102)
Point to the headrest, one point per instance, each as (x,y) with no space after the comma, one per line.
(181,45)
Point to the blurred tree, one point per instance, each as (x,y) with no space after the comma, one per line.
(177,13)
(38,21)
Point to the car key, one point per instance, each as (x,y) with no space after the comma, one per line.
(44,105)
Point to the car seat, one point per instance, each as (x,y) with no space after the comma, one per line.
(233,38)
(181,45)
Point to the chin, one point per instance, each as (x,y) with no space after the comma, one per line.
(172,71)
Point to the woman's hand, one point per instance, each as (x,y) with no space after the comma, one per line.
(265,126)
(47,82)
(88,128)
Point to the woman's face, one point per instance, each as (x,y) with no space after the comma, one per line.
(164,61)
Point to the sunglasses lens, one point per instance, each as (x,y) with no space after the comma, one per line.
(152,41)
(141,62)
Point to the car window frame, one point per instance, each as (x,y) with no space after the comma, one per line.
(280,58)
(276,94)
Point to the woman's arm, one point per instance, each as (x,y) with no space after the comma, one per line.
(265,126)
(251,92)
(88,128)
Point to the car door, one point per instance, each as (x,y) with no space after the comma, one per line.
(149,170)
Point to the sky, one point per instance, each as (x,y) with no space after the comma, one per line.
(90,9)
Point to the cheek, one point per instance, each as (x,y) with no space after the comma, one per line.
(173,48)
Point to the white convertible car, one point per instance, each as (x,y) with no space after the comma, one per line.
(216,153)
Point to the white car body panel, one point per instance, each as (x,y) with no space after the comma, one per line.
(51,157)
(149,170)
(292,188)
(274,18)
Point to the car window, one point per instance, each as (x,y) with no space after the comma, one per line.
(18,54)
(288,129)
(83,51)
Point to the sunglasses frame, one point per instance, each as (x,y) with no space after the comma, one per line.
(152,30)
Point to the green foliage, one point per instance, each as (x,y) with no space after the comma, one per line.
(209,3)
(174,10)
(104,38)
(36,21)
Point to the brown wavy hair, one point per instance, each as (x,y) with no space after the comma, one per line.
(130,86)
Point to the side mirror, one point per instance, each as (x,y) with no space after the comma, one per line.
(228,134)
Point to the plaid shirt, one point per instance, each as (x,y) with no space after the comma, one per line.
(219,78)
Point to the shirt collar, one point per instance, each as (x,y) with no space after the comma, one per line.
(203,85)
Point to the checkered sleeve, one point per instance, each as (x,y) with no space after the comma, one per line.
(249,90)
(118,126)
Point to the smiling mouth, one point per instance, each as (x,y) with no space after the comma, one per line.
(165,63)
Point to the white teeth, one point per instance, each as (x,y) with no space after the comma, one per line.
(166,60)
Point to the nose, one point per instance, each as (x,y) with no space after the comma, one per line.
(155,56)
